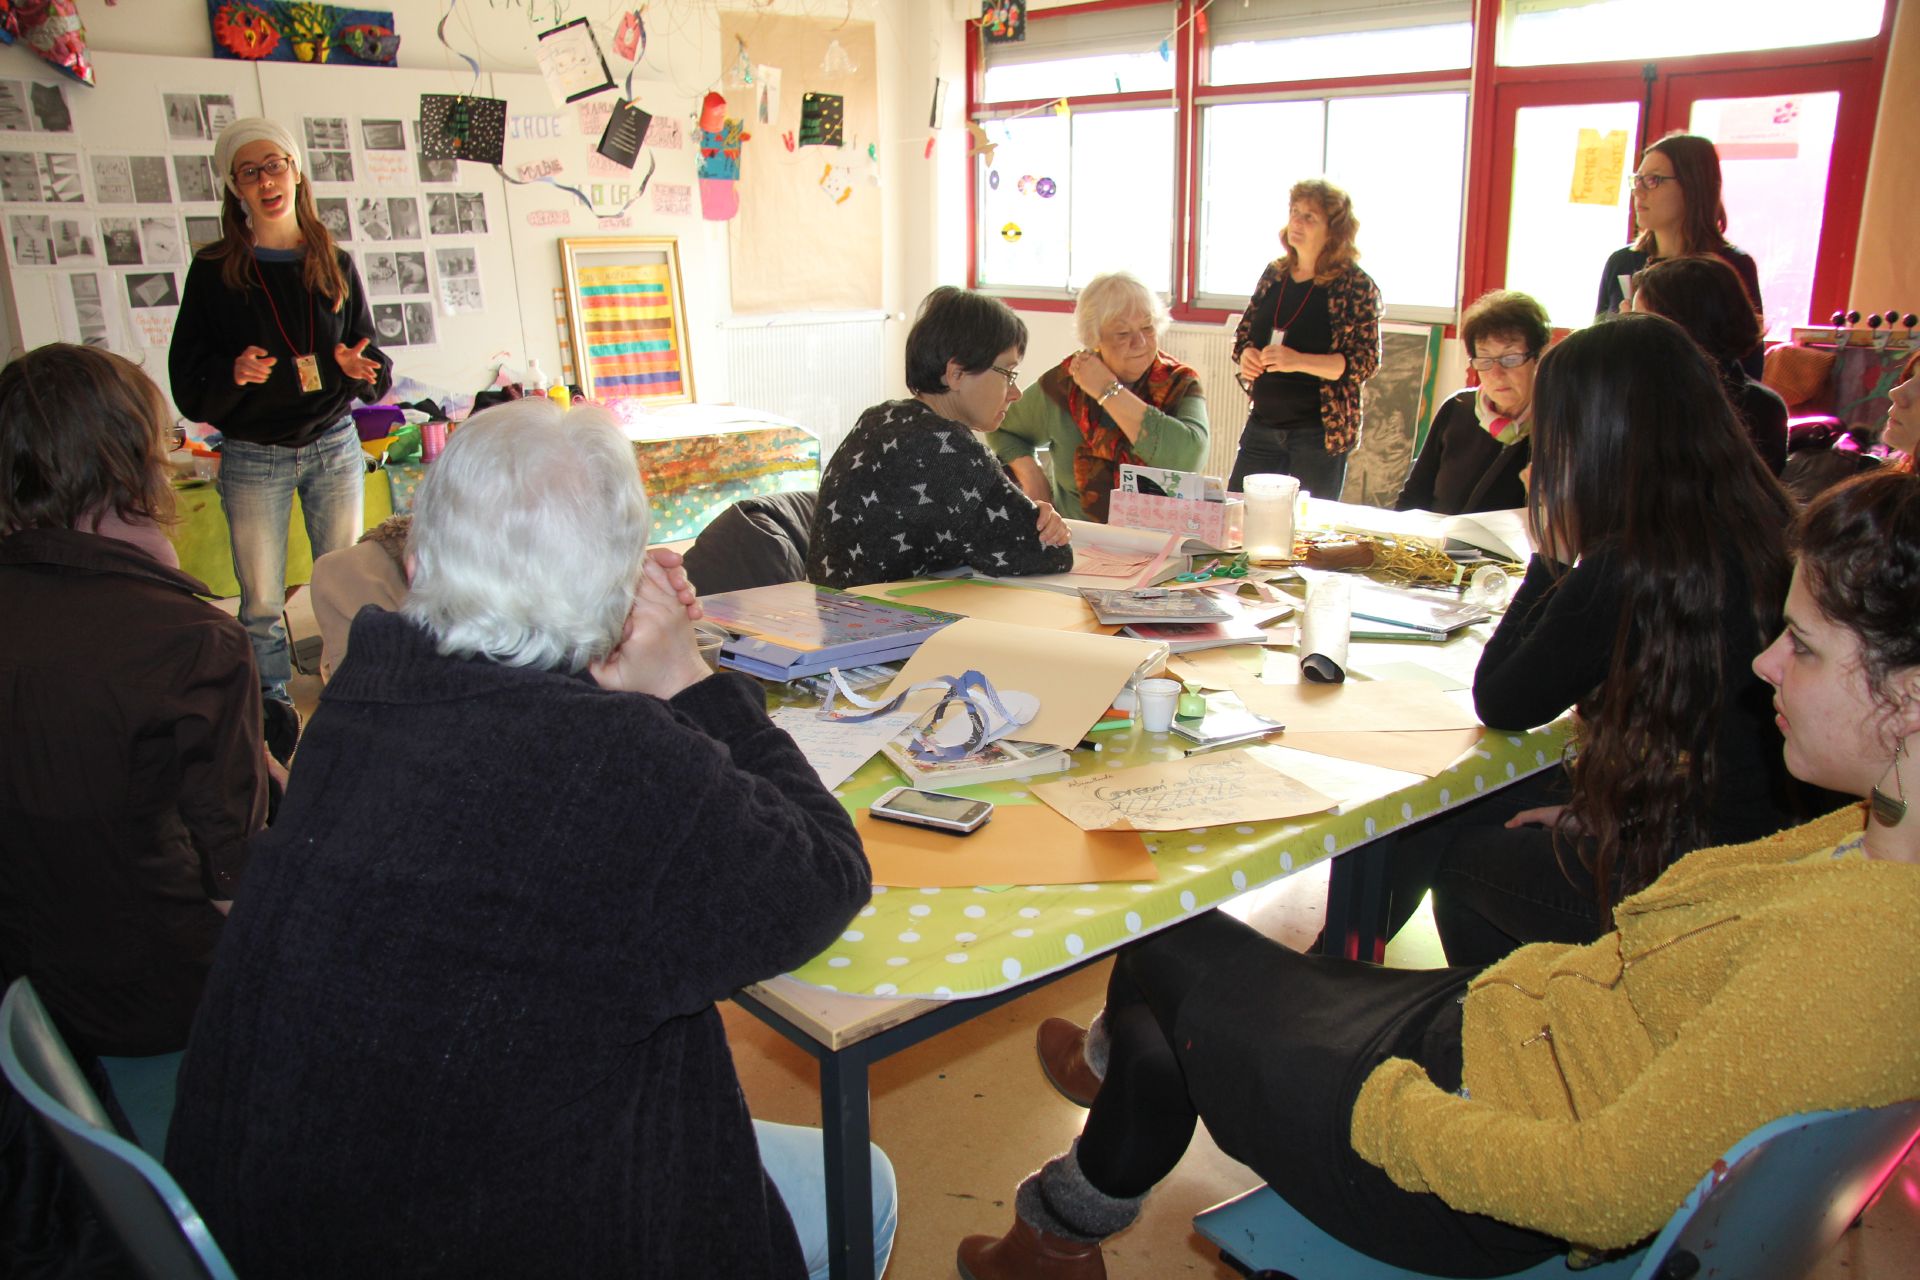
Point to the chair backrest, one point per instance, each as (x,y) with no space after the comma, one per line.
(757,542)
(147,1212)
(1779,1199)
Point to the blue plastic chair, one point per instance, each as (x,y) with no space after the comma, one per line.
(1789,1189)
(139,1201)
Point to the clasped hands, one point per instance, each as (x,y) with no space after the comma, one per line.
(1273,358)
(254,365)
(656,653)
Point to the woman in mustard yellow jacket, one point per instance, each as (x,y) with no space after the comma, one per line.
(1475,1122)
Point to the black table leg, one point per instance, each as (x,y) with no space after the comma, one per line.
(844,1120)
(1357,903)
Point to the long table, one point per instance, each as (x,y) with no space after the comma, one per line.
(916,962)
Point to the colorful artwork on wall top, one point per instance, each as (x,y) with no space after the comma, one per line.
(52,29)
(297,31)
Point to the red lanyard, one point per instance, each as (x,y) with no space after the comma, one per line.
(293,350)
(1277,326)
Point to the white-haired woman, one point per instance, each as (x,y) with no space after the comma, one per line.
(468,1006)
(1120,398)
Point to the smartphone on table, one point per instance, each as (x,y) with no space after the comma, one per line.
(935,809)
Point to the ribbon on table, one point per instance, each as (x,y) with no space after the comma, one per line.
(988,716)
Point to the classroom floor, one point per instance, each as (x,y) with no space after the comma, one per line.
(964,1116)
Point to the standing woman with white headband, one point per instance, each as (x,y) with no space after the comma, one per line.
(272,346)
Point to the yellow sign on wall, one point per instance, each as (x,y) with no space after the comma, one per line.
(1599,163)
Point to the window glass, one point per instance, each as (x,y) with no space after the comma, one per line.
(1403,160)
(1251,153)
(1538,32)
(1569,209)
(1773,170)
(1068,197)
(1120,50)
(1077,77)
(1346,53)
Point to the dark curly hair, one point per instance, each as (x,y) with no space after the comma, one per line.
(82,432)
(1631,433)
(1858,546)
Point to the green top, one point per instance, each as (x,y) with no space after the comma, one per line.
(1177,441)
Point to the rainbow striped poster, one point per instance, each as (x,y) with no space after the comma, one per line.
(627,323)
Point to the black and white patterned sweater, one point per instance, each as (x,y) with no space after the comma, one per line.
(910,493)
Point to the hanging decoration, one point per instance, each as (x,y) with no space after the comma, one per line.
(721,138)
(631,35)
(458,127)
(822,119)
(1003,21)
(978,142)
(289,31)
(52,29)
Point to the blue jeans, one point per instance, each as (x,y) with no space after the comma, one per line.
(257,484)
(1300,452)
(794,1158)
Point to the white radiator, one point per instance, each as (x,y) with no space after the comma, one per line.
(1210,351)
(821,370)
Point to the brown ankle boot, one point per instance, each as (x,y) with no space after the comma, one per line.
(1027,1253)
(1063,1056)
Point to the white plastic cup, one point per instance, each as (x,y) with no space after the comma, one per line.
(1268,527)
(1158,698)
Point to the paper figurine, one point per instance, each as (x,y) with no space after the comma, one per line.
(721,138)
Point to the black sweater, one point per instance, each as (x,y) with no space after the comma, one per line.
(462,1021)
(1461,468)
(216,324)
(1554,647)
(910,493)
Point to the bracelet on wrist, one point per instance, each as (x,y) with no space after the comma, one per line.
(1114,388)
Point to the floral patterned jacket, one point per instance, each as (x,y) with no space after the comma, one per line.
(1353,311)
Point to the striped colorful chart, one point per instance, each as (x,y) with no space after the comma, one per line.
(628,320)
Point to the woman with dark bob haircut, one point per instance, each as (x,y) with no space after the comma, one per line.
(914,489)
(131,767)
(1704,296)
(1479,443)
(1477,1122)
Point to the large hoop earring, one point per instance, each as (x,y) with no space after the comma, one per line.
(1887,810)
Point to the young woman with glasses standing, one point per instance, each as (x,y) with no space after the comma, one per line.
(272,346)
(1677,210)
(1482,438)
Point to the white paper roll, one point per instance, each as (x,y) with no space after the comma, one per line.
(1326,627)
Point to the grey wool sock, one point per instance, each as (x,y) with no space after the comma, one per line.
(1059,1201)
(1098,1042)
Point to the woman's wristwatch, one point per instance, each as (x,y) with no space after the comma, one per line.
(1114,388)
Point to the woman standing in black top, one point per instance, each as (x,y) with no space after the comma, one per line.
(1641,610)
(1308,341)
(272,346)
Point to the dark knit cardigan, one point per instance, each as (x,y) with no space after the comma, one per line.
(462,1022)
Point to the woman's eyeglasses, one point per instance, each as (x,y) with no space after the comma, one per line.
(1013,379)
(248,175)
(1651,181)
(1511,360)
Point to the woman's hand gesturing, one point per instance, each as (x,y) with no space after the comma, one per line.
(252,366)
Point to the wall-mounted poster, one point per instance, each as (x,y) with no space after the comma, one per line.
(627,315)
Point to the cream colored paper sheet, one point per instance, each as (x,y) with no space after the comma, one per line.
(837,748)
(1021,844)
(1049,610)
(1427,753)
(1217,668)
(1400,706)
(1200,791)
(1074,676)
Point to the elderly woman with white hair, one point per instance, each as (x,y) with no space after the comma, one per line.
(1118,399)
(463,1021)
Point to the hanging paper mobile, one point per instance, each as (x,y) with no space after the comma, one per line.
(1003,21)
(52,29)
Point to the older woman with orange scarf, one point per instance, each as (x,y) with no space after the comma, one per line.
(1118,399)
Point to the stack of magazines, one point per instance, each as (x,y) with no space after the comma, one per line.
(796,629)
(996,761)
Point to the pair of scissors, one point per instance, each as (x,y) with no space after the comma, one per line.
(1235,568)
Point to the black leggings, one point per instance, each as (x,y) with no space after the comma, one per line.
(1210,1019)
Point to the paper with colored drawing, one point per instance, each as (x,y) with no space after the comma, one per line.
(1200,791)
(1020,844)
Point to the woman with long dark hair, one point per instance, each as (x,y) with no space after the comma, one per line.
(1677,210)
(272,346)
(1639,610)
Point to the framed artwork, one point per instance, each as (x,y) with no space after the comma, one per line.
(628,317)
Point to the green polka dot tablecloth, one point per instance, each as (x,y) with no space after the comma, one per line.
(969,942)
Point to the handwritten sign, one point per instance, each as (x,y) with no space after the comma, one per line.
(1199,791)
(549,217)
(1599,162)
(672,198)
(664,133)
(534,170)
